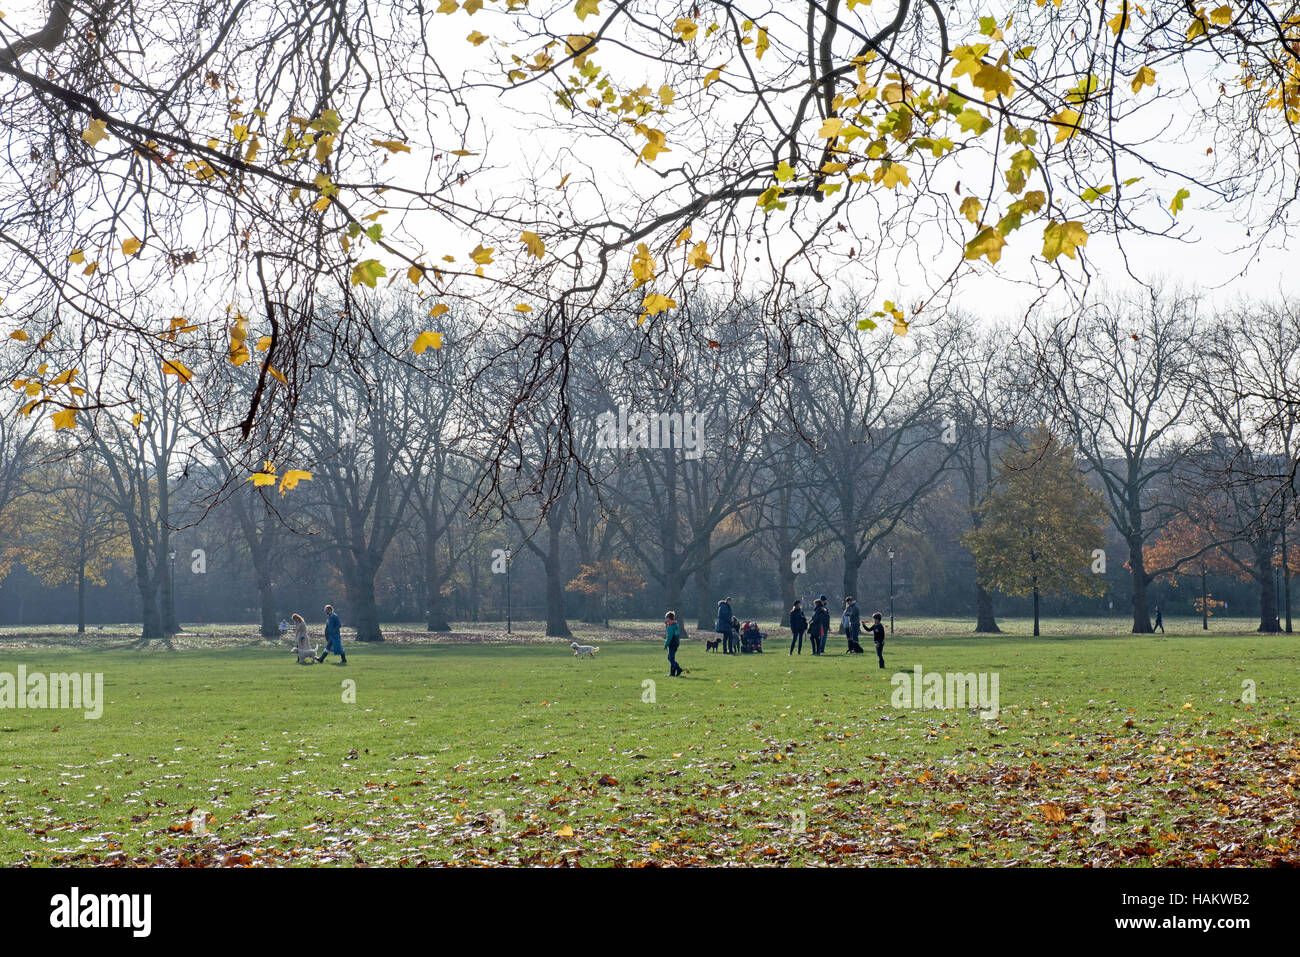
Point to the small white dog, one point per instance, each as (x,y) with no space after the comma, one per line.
(583,651)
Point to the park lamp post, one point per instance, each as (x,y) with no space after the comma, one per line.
(171,581)
(509,562)
(891,592)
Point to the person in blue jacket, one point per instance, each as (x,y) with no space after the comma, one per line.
(672,639)
(333,636)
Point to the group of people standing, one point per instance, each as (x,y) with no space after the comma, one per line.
(818,629)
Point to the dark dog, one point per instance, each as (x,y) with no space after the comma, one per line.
(712,645)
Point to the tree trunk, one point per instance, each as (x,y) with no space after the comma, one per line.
(1267,588)
(1141,614)
(556,625)
(1035,610)
(266,597)
(852,565)
(361,594)
(705,619)
(150,617)
(1205,603)
(985,622)
(81,598)
(784,571)
(433,580)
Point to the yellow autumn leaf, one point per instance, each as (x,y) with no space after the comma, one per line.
(415,274)
(830,128)
(970,208)
(988,242)
(393,146)
(1176,205)
(686,28)
(1221,16)
(64,419)
(77,256)
(565,831)
(536,247)
(95,132)
(481,255)
(1063,238)
(262,478)
(761,46)
(1067,124)
(426,340)
(1145,77)
(19,335)
(263,343)
(368,273)
(585,8)
(476,38)
(900,327)
(699,256)
(137,419)
(643,265)
(439,309)
(131,246)
(291,478)
(895,176)
(523,307)
(177,368)
(654,304)
(713,75)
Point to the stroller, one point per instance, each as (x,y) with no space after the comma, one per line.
(751,638)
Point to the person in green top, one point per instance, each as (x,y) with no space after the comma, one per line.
(672,638)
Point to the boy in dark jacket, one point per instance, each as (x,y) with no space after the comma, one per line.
(878,637)
(798,625)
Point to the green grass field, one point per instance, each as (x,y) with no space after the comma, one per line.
(1107,750)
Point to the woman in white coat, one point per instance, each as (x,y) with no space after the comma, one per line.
(306,653)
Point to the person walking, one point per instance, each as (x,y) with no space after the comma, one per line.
(333,636)
(851,625)
(672,640)
(301,643)
(878,637)
(1160,621)
(819,627)
(798,625)
(723,626)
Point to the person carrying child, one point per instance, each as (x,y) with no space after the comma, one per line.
(851,625)
(820,627)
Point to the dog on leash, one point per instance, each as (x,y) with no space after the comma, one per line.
(583,651)
(712,645)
